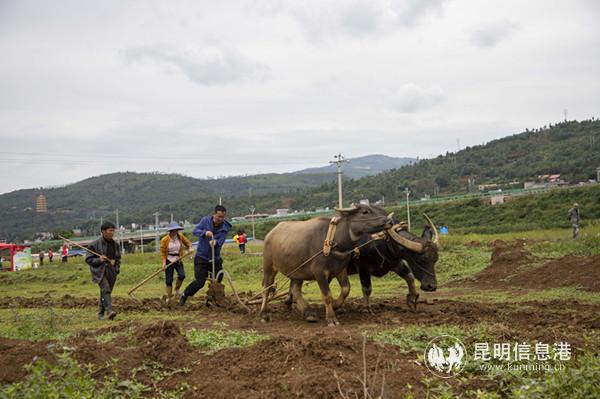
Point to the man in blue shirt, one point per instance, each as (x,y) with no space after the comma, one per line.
(211,231)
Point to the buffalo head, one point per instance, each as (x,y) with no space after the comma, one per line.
(421,253)
(365,219)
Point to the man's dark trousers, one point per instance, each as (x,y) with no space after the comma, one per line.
(106,286)
(202,268)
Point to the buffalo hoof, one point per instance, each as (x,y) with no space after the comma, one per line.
(265,318)
(411,301)
(311,318)
(332,323)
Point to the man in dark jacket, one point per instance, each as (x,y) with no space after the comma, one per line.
(211,231)
(575,219)
(105,265)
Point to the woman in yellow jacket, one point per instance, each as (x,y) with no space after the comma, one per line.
(171,252)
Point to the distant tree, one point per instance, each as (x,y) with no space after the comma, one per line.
(64,233)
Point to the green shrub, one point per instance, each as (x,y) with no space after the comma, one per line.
(215,340)
(576,383)
(68,380)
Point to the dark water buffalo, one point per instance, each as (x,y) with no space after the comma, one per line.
(403,253)
(290,248)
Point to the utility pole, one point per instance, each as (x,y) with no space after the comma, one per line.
(156,241)
(171,218)
(142,237)
(457,150)
(120,233)
(407,206)
(339,160)
(565,112)
(252,209)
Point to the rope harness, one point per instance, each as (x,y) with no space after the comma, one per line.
(329,244)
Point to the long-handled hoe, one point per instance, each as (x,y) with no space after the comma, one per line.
(216,291)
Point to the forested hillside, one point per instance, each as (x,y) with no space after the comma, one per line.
(571,149)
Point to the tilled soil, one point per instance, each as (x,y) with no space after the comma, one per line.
(510,267)
(300,359)
(311,360)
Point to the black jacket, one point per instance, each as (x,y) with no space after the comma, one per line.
(97,267)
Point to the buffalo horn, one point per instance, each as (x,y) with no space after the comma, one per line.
(341,210)
(405,242)
(436,237)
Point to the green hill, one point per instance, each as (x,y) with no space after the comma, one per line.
(527,212)
(137,196)
(571,149)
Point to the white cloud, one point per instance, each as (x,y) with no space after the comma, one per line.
(226,88)
(413,98)
(357,18)
(206,66)
(408,13)
(493,34)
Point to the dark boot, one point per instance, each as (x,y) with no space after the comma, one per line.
(101,310)
(178,284)
(168,294)
(107,302)
(182,299)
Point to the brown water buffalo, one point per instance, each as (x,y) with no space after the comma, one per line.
(290,248)
(405,254)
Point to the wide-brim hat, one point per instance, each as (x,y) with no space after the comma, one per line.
(575,204)
(174,226)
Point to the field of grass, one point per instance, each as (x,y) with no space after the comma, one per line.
(461,256)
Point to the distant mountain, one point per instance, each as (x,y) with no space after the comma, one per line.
(357,168)
(138,196)
(571,149)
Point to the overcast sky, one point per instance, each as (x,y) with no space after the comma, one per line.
(210,88)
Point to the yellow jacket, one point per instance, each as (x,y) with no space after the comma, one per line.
(164,245)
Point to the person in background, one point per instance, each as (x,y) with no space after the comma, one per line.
(41,257)
(105,265)
(575,219)
(242,240)
(211,231)
(65,253)
(50,255)
(171,252)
